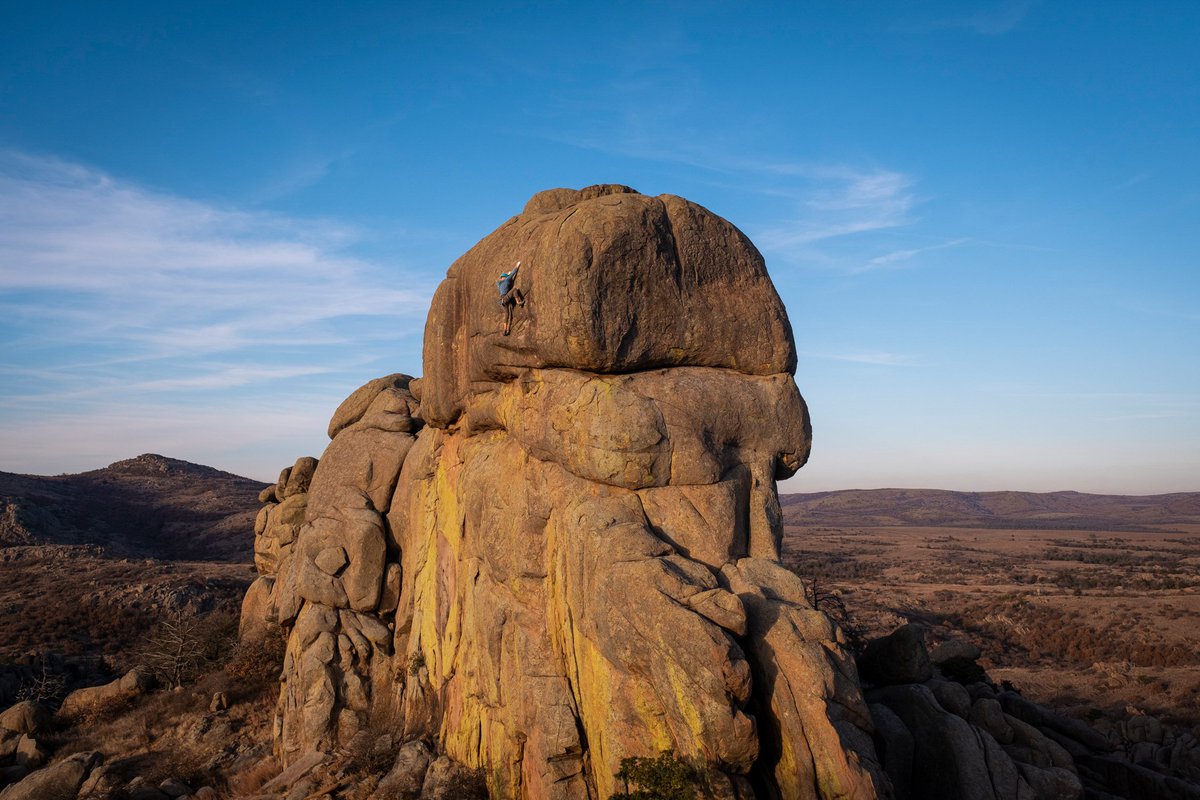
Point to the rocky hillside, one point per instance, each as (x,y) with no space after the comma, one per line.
(145,507)
(856,508)
(92,563)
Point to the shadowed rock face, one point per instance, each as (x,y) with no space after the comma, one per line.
(560,548)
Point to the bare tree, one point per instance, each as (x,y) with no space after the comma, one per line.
(829,602)
(176,651)
(45,686)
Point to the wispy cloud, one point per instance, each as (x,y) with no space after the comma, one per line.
(812,202)
(300,173)
(897,256)
(877,358)
(114,296)
(995,20)
(838,202)
(818,201)
(87,258)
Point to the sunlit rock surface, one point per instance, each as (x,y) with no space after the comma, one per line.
(559,548)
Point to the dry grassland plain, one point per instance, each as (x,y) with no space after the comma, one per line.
(1093,622)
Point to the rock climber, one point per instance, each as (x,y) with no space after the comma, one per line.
(510,296)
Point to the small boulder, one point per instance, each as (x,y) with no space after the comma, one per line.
(353,407)
(258,612)
(300,476)
(987,714)
(449,780)
(174,788)
(97,698)
(26,717)
(29,753)
(407,775)
(952,697)
(103,781)
(138,680)
(953,649)
(59,781)
(900,657)
(331,560)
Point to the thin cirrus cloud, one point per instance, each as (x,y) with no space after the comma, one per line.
(115,297)
(87,258)
(996,19)
(875,358)
(899,256)
(834,202)
(829,200)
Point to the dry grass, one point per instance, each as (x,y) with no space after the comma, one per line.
(250,780)
(72,601)
(259,660)
(172,734)
(94,713)
(1101,617)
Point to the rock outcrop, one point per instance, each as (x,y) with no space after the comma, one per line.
(560,548)
(944,731)
(94,699)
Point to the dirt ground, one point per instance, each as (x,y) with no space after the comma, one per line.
(1090,621)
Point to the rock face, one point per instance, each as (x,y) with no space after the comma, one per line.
(558,549)
(965,739)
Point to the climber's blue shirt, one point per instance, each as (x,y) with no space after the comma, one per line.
(505,284)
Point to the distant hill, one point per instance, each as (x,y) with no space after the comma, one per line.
(940,508)
(147,507)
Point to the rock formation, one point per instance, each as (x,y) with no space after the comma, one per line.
(558,549)
(945,731)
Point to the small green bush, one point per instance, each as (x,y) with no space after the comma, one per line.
(662,778)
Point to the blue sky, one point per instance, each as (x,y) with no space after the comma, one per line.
(217,219)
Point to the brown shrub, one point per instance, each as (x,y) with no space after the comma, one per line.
(102,710)
(258,660)
(183,762)
(252,779)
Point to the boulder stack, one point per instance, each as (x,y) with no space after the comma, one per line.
(560,548)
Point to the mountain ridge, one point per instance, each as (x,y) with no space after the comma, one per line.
(997,509)
(146,506)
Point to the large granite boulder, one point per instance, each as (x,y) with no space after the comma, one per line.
(560,548)
(616,282)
